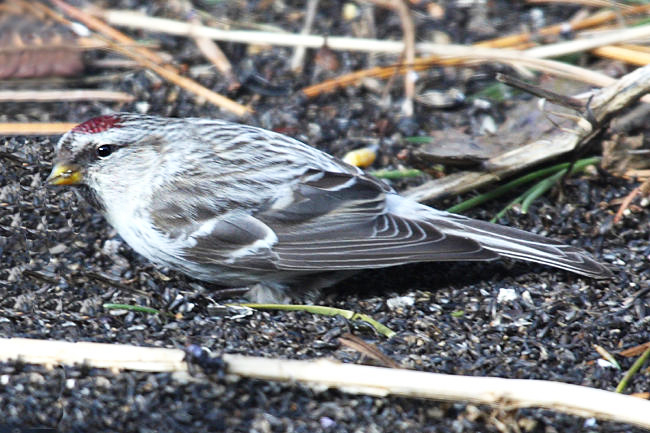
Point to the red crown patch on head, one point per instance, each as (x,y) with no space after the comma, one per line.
(97,124)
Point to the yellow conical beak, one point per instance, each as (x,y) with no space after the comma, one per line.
(65,174)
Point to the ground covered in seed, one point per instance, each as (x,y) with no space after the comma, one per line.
(60,262)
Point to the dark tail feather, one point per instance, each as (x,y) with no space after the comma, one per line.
(522,245)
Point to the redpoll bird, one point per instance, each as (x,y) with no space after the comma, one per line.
(242,206)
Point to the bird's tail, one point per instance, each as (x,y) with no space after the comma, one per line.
(519,244)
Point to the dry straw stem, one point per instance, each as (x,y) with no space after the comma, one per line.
(408,28)
(530,58)
(592,3)
(605,103)
(299,52)
(595,41)
(108,31)
(596,19)
(519,42)
(63,95)
(633,56)
(358,379)
(471,56)
(35,128)
(213,53)
(151,60)
(179,28)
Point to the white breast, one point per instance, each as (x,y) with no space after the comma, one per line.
(128,214)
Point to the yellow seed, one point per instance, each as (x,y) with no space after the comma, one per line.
(350,11)
(361,157)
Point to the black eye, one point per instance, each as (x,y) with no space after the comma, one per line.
(104,150)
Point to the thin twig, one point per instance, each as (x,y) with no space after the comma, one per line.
(199,90)
(108,31)
(594,20)
(506,394)
(152,62)
(35,128)
(213,53)
(549,95)
(408,29)
(643,189)
(519,42)
(299,52)
(179,28)
(624,54)
(592,3)
(635,351)
(586,44)
(449,52)
(64,95)
(367,349)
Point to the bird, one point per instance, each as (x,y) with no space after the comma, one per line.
(244,207)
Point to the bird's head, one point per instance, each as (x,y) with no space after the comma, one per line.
(91,148)
(107,155)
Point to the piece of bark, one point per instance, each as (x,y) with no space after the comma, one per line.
(605,104)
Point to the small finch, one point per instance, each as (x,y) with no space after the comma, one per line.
(245,207)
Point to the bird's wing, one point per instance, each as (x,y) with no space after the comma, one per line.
(346,221)
(328,221)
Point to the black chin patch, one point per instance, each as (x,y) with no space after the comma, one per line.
(91,197)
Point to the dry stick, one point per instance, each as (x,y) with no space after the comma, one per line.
(408,28)
(635,47)
(213,53)
(591,21)
(188,84)
(409,54)
(595,41)
(162,25)
(64,95)
(441,51)
(506,394)
(106,30)
(627,201)
(643,190)
(179,28)
(299,52)
(469,58)
(130,19)
(93,43)
(83,44)
(367,349)
(35,128)
(605,103)
(593,3)
(628,55)
(152,61)
(635,351)
(519,42)
(194,87)
(527,58)
(636,174)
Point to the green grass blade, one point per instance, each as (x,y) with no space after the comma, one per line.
(324,311)
(504,189)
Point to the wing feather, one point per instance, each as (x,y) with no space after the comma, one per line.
(347,221)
